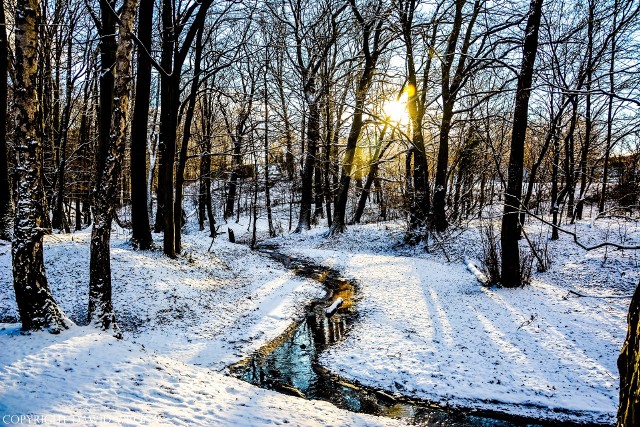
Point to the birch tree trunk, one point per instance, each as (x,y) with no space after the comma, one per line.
(36,305)
(101,312)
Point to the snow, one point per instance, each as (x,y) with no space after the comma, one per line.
(429,329)
(482,278)
(184,322)
(425,328)
(333,307)
(83,377)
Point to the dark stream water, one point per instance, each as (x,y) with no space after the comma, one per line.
(289,364)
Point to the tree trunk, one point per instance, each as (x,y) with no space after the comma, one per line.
(205,169)
(326,166)
(510,232)
(233,177)
(186,136)
(555,169)
(168,124)
(57,218)
(140,227)
(313,136)
(339,212)
(101,312)
(440,186)
(551,136)
(338,224)
(629,368)
(267,183)
(419,202)
(569,189)
(607,152)
(318,188)
(107,60)
(78,214)
(6,205)
(371,176)
(371,31)
(36,305)
(439,219)
(588,124)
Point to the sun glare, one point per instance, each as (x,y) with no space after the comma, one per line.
(396,109)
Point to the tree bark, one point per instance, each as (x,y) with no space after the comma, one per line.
(6,205)
(371,176)
(510,274)
(588,123)
(550,137)
(450,87)
(555,169)
(419,202)
(169,87)
(629,368)
(313,136)
(371,33)
(236,161)
(101,313)
(57,218)
(607,152)
(186,136)
(267,182)
(36,305)
(140,227)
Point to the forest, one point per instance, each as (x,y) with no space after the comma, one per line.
(320,212)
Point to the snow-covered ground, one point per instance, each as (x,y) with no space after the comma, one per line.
(185,320)
(428,329)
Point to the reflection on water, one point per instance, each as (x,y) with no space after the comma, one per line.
(289,364)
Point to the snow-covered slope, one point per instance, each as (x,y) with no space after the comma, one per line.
(185,320)
(428,329)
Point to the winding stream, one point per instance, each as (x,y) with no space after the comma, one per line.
(289,363)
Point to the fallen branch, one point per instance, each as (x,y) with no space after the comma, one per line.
(596,296)
(482,278)
(329,311)
(527,322)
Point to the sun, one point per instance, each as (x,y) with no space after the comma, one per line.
(396,109)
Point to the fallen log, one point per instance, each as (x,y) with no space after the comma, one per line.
(476,272)
(329,311)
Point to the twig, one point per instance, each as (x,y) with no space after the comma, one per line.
(597,296)
(575,236)
(527,322)
(533,249)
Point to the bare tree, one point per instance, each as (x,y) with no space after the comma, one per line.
(372,46)
(101,313)
(36,304)
(510,231)
(314,29)
(140,227)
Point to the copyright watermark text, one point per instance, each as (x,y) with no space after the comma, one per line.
(88,419)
